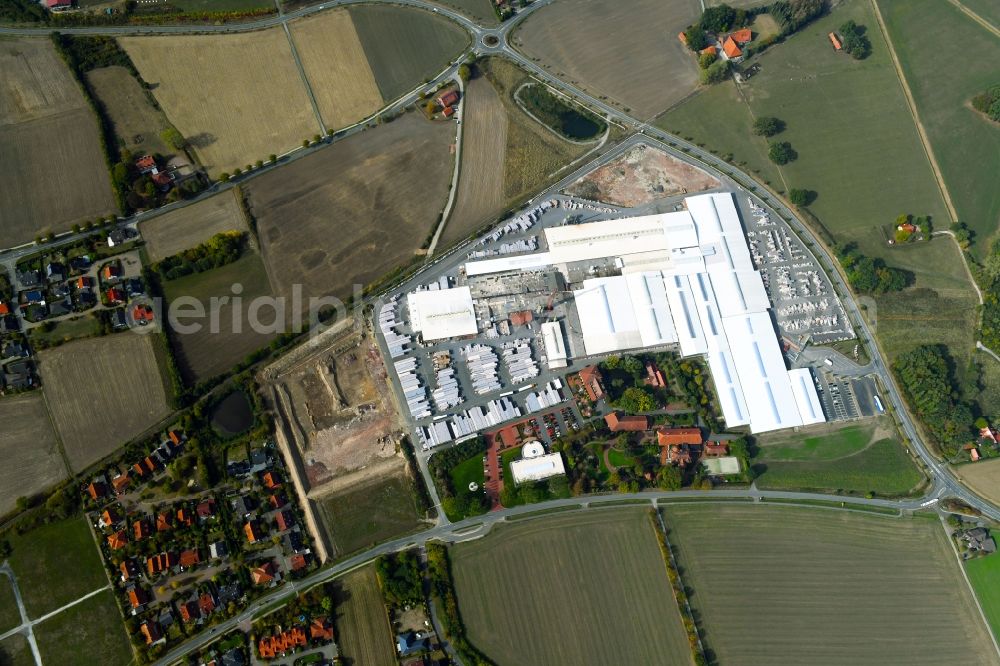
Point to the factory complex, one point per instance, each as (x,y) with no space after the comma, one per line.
(492,338)
(686,279)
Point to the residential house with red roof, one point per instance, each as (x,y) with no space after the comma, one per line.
(279,644)
(715,449)
(206,602)
(285,520)
(159,563)
(189,558)
(150,629)
(120,483)
(271,480)
(297,562)
(185,517)
(189,611)
(164,521)
(321,629)
(137,597)
(253,531)
(448,99)
(129,569)
(109,517)
(205,509)
(141,529)
(263,574)
(96,489)
(277,500)
(117,540)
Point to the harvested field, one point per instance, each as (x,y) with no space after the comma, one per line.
(646,73)
(246,102)
(534,155)
(87,634)
(583,588)
(362,207)
(641,176)
(405,46)
(55,564)
(337,68)
(362,624)
(102,392)
(367,514)
(206,353)
(983,478)
(779,584)
(137,123)
(32,461)
(480,194)
(45,120)
(184,228)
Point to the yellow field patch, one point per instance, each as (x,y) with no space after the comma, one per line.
(337,68)
(236,98)
(35,83)
(192,225)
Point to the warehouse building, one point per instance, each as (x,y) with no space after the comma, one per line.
(442,313)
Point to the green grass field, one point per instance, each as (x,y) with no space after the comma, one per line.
(15,651)
(584,587)
(847,119)
(860,151)
(619,458)
(371,513)
(984,574)
(10,617)
(85,326)
(858,458)
(931,39)
(791,585)
(839,443)
(883,468)
(468,471)
(405,46)
(87,634)
(56,564)
(988,10)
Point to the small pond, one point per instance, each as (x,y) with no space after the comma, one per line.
(233,415)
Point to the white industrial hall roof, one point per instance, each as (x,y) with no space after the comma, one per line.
(555,345)
(624,312)
(537,468)
(443,313)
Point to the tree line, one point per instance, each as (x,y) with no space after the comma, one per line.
(869,275)
(928,382)
(221,249)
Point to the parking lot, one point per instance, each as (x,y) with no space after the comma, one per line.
(803,299)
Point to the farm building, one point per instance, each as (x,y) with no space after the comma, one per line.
(448,98)
(59,5)
(837,46)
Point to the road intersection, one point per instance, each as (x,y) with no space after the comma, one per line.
(494,41)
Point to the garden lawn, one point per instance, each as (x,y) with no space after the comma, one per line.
(468,471)
(56,564)
(827,442)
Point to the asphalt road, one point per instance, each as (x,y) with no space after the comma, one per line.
(944,483)
(476,527)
